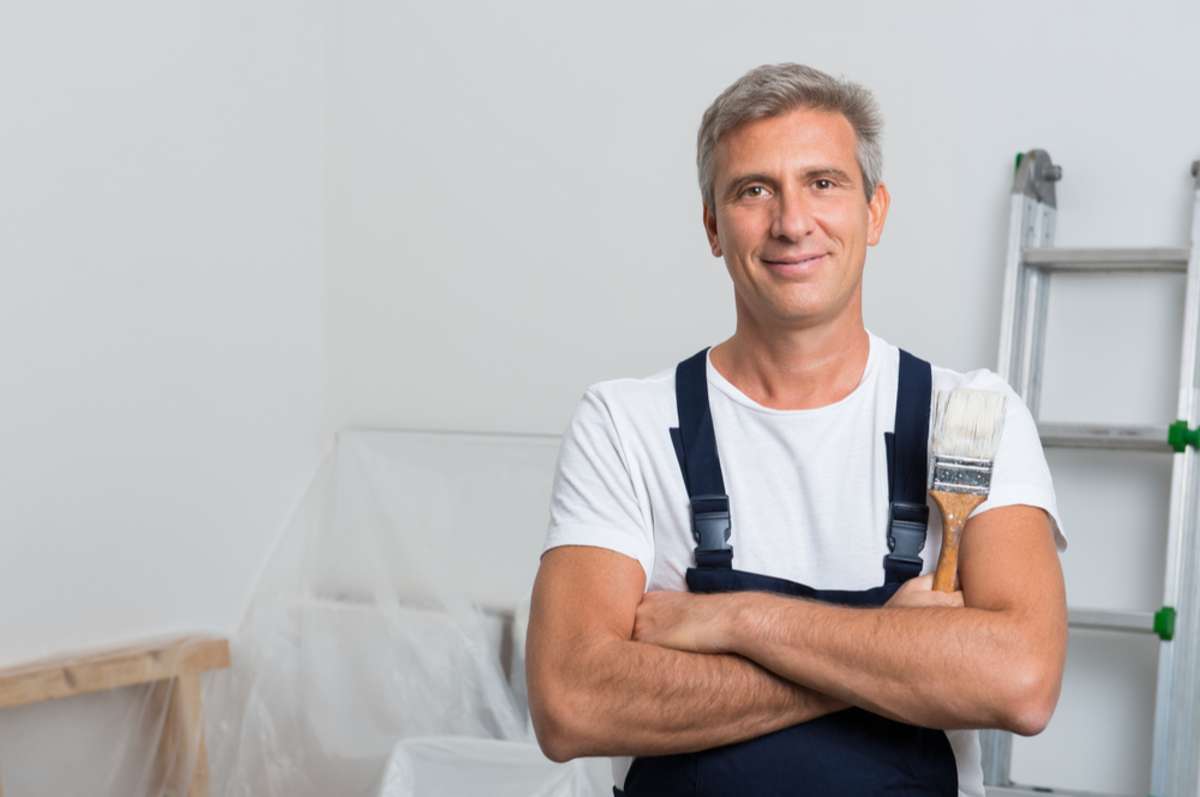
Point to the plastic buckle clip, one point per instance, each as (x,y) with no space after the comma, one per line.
(710,522)
(906,531)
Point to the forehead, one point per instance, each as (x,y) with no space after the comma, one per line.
(798,139)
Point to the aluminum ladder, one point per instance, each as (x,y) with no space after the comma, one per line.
(1030,262)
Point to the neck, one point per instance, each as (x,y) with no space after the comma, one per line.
(795,368)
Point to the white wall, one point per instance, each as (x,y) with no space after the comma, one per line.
(160,245)
(513,204)
(513,214)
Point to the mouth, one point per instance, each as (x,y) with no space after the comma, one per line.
(793,266)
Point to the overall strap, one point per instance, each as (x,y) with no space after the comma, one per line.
(696,448)
(907,455)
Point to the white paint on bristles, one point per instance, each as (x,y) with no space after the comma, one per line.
(967,423)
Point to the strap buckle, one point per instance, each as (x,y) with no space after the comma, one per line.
(906,531)
(710,522)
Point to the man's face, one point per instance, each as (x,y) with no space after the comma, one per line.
(791,218)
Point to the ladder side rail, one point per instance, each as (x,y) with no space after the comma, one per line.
(996,749)
(1175,770)
(1030,223)
(1044,230)
(1039,289)
(996,745)
(1012,320)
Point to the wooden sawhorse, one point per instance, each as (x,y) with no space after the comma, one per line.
(173,666)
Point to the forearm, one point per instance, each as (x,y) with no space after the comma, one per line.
(619,697)
(936,667)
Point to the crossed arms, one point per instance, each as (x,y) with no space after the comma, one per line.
(613,671)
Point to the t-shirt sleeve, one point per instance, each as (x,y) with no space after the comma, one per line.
(1020,474)
(593,500)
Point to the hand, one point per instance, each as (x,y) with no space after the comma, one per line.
(918,593)
(681,620)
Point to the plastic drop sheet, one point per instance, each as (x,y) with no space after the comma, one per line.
(362,668)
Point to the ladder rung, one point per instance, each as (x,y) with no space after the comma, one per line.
(1111,620)
(1083,435)
(1029,791)
(1056,258)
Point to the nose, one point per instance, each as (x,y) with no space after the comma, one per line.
(793,217)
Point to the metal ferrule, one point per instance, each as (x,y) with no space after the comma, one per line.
(962,475)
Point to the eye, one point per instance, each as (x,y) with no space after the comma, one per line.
(760,188)
(823,183)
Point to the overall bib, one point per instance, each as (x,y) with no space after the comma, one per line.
(852,752)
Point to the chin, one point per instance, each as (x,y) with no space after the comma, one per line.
(801,308)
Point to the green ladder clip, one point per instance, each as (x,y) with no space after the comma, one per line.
(1180,436)
(1164,623)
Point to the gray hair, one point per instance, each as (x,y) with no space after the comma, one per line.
(775,89)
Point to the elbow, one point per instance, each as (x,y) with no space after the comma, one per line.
(1032,695)
(1030,719)
(553,737)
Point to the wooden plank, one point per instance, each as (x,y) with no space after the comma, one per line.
(93,672)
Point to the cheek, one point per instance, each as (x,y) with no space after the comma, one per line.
(844,218)
(850,225)
(743,229)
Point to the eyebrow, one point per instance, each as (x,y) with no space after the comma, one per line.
(811,174)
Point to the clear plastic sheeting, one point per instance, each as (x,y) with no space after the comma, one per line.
(363,666)
(380,653)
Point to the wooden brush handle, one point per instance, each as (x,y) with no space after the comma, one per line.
(954,507)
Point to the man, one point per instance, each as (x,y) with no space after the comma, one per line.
(659,634)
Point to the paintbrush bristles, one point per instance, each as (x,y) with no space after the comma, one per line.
(967,423)
(966,434)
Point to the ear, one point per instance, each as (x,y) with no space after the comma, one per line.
(877,210)
(710,229)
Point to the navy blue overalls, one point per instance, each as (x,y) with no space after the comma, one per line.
(852,752)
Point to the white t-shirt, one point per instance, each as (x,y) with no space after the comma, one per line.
(807,488)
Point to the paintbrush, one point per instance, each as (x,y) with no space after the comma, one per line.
(966,432)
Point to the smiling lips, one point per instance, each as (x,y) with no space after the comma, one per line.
(793,264)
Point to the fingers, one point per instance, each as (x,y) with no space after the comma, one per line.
(918,592)
(951,599)
(937,600)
